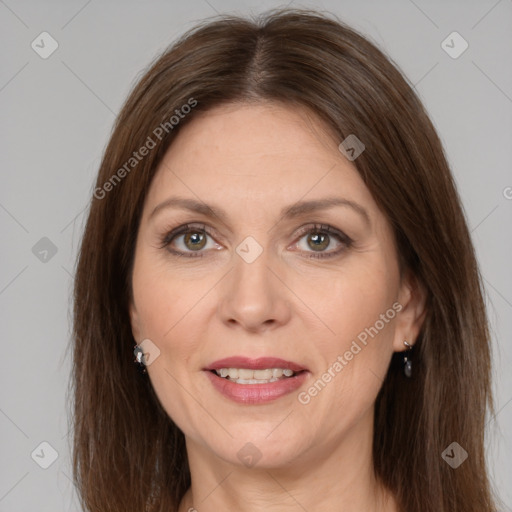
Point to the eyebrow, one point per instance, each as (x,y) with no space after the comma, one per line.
(289,212)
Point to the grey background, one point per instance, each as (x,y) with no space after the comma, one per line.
(57,114)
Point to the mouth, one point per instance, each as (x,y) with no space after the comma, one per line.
(255,380)
(248,376)
(255,371)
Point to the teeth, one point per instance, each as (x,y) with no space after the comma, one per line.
(243,374)
(262,374)
(254,381)
(247,376)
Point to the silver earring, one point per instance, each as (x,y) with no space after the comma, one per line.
(139,359)
(407,360)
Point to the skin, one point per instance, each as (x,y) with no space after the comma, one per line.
(252,160)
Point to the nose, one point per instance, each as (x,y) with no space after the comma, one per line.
(254,296)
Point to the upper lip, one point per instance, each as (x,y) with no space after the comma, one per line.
(261,363)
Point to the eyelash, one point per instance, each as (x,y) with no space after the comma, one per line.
(198,228)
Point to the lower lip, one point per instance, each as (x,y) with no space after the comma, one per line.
(256,393)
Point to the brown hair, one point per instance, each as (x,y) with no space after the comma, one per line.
(128,455)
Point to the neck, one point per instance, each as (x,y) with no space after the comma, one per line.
(334,476)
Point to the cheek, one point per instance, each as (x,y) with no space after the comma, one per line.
(350,300)
(352,363)
(161,299)
(363,300)
(176,314)
(162,307)
(358,309)
(168,311)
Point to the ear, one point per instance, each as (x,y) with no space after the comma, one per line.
(135,322)
(413,298)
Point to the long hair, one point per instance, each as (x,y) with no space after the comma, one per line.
(128,455)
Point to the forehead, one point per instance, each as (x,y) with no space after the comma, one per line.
(255,155)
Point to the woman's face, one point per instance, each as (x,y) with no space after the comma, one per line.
(297,263)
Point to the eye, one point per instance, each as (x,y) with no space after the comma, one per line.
(320,237)
(189,241)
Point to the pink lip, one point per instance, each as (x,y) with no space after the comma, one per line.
(256,393)
(254,364)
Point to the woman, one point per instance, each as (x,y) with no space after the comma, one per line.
(277,303)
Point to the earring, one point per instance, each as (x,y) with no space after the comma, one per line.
(407,360)
(139,359)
